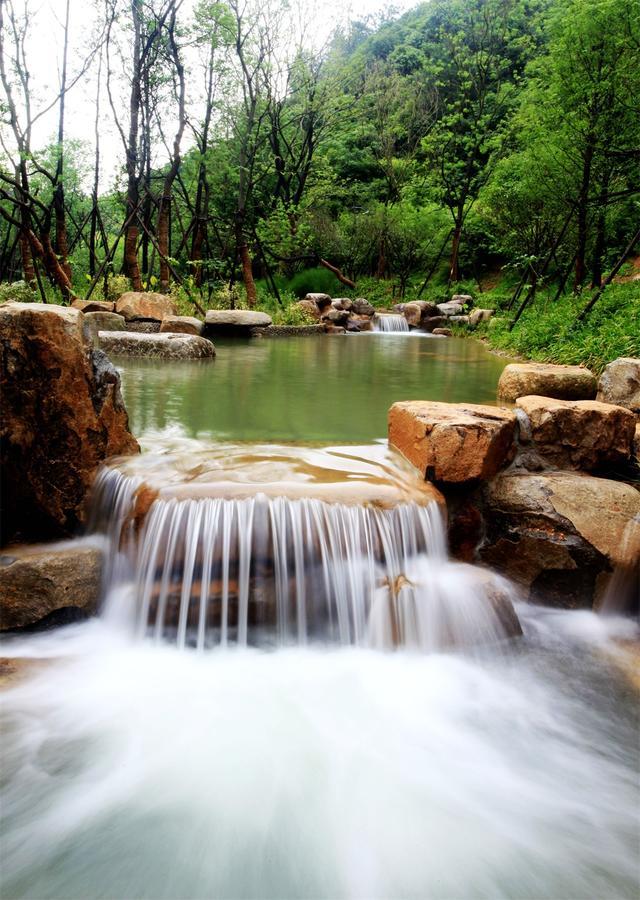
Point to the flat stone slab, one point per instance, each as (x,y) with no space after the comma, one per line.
(546,380)
(578,434)
(181,325)
(230,319)
(159,346)
(453,443)
(620,383)
(41,579)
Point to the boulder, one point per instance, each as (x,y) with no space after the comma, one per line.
(335,329)
(434,322)
(546,380)
(620,383)
(462,299)
(235,321)
(102,321)
(62,416)
(453,443)
(450,309)
(479,315)
(579,434)
(636,444)
(560,534)
(91,306)
(181,325)
(156,346)
(352,326)
(362,307)
(58,581)
(417,311)
(459,320)
(442,332)
(320,300)
(342,303)
(310,308)
(140,305)
(364,323)
(336,317)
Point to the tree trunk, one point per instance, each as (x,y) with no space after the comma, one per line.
(247,268)
(454,267)
(130,261)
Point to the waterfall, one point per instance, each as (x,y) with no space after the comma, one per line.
(387,322)
(264,570)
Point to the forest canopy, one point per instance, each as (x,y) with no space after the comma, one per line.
(466,142)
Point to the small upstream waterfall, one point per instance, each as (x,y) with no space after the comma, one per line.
(262,570)
(395,323)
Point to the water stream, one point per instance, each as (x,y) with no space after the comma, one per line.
(389,322)
(291,692)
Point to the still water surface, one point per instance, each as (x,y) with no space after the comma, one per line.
(334,388)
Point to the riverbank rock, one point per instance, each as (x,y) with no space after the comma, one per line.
(620,383)
(442,332)
(336,317)
(139,305)
(480,315)
(235,321)
(560,534)
(310,308)
(62,416)
(181,325)
(546,380)
(335,329)
(450,309)
(91,306)
(320,300)
(462,299)
(158,346)
(453,443)
(433,322)
(417,312)
(362,307)
(41,581)
(636,444)
(579,434)
(94,322)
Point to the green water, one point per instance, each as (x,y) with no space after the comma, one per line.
(333,388)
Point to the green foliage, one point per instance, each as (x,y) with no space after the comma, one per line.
(314,281)
(18,292)
(548,331)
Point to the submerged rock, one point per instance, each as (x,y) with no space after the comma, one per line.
(560,534)
(159,346)
(39,581)
(139,305)
(453,443)
(546,380)
(62,416)
(620,383)
(579,434)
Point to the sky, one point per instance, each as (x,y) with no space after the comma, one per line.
(44,50)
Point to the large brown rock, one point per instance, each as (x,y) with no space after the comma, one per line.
(39,581)
(181,325)
(336,317)
(620,383)
(95,322)
(62,416)
(87,306)
(560,534)
(453,443)
(139,305)
(546,380)
(417,311)
(310,308)
(433,322)
(579,434)
(156,346)
(362,307)
(320,300)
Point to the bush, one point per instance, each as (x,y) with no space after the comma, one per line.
(19,292)
(315,281)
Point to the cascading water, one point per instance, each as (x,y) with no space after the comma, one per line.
(208,571)
(387,322)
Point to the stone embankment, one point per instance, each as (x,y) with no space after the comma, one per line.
(547,494)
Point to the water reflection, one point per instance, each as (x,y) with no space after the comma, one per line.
(306,389)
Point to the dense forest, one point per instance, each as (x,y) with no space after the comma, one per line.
(489,146)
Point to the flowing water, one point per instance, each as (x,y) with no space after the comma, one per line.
(291,692)
(388,322)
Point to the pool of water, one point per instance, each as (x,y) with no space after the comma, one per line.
(333,388)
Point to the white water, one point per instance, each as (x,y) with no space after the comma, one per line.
(388,322)
(275,571)
(133,770)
